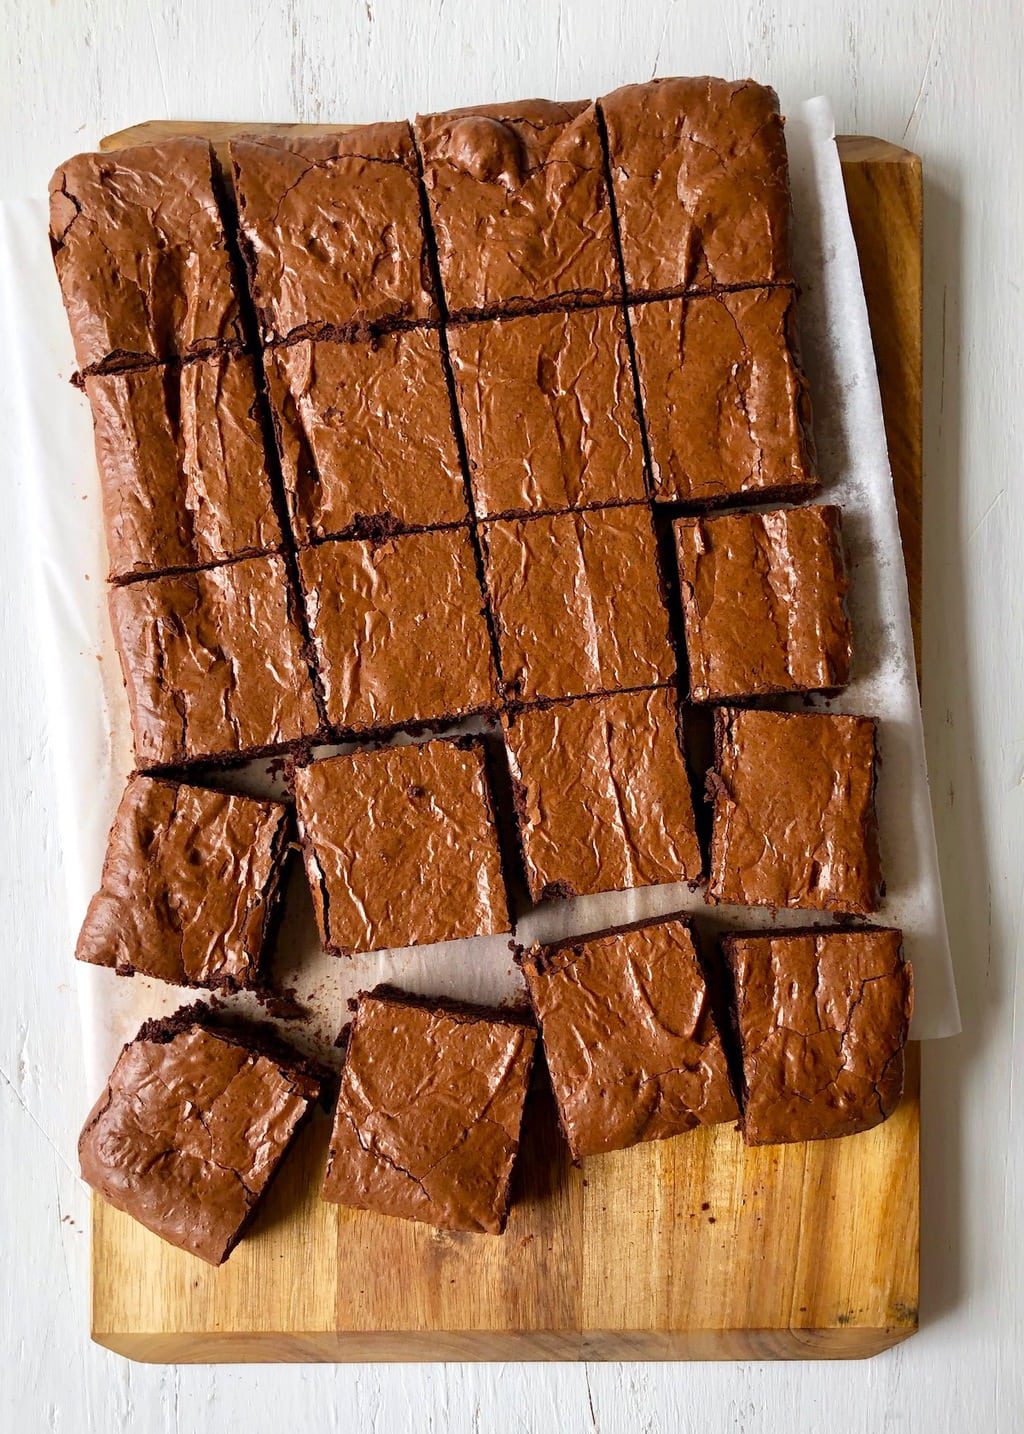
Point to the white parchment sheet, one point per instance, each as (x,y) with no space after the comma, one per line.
(92,750)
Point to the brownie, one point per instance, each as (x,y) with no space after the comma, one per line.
(794,811)
(190,881)
(822,1019)
(332,230)
(214,663)
(427,1123)
(577,603)
(365,435)
(763,602)
(724,397)
(548,411)
(701,183)
(399,630)
(631,1045)
(400,847)
(601,793)
(183,465)
(519,205)
(191,1127)
(141,255)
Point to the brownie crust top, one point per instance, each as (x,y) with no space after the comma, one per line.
(701,182)
(763,602)
(629,1038)
(400,846)
(189,1130)
(519,205)
(143,265)
(183,465)
(188,883)
(427,1123)
(794,811)
(823,1019)
(331,229)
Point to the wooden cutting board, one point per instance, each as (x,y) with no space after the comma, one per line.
(693,1248)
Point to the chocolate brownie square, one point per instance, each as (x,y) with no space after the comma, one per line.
(183,465)
(548,411)
(366,435)
(822,1020)
(602,795)
(631,1045)
(701,184)
(399,630)
(214,663)
(427,1122)
(142,256)
(332,231)
(400,847)
(724,398)
(519,206)
(191,1128)
(794,811)
(763,602)
(577,602)
(190,882)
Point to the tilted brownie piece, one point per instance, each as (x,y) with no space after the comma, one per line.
(183,465)
(366,435)
(399,630)
(141,255)
(400,847)
(822,1019)
(763,602)
(332,231)
(190,881)
(630,1042)
(549,411)
(577,603)
(427,1123)
(794,811)
(214,663)
(725,400)
(701,183)
(191,1127)
(519,205)
(602,795)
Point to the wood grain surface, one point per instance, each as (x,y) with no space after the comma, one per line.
(694,1248)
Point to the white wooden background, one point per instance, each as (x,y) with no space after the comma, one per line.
(942,76)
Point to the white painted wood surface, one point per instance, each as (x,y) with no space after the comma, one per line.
(942,76)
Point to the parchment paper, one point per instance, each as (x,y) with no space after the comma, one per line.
(92,752)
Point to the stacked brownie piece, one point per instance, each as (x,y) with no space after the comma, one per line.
(497,415)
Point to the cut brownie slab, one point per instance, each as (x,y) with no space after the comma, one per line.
(183,465)
(427,1123)
(141,255)
(192,1125)
(400,847)
(794,811)
(519,205)
(602,795)
(190,881)
(366,435)
(822,1019)
(214,663)
(549,411)
(725,400)
(630,1042)
(399,630)
(763,602)
(332,232)
(701,183)
(577,603)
